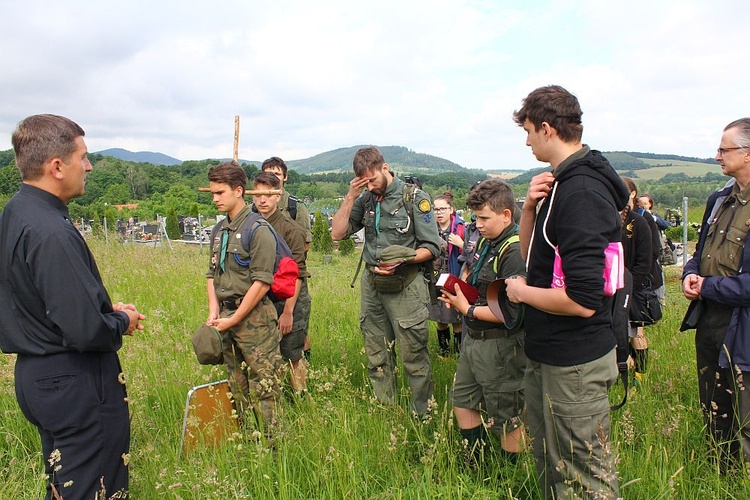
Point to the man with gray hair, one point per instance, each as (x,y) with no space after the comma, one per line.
(717,282)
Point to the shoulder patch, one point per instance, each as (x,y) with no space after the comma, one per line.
(424,206)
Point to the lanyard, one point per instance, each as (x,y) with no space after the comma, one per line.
(482,256)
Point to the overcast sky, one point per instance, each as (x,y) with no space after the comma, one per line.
(441,77)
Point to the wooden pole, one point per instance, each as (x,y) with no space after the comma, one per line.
(236,138)
(250,192)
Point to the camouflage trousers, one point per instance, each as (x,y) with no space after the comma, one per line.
(390,320)
(292,344)
(254,364)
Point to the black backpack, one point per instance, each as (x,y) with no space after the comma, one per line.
(291,206)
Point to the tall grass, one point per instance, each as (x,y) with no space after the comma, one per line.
(339,442)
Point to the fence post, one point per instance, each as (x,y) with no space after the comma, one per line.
(684,229)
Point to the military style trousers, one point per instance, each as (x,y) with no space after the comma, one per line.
(292,344)
(254,364)
(391,321)
(567,415)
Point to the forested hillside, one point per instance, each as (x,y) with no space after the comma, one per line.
(158,189)
(340,160)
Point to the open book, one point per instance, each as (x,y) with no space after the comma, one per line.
(447,281)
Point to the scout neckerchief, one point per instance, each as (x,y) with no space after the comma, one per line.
(480,261)
(378,199)
(223,252)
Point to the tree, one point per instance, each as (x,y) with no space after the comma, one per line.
(10,179)
(194,210)
(137,182)
(172,224)
(322,241)
(346,246)
(117,194)
(292,177)
(111,215)
(310,191)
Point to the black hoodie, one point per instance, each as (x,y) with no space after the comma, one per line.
(583,220)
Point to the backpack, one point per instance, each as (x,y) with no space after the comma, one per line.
(291,206)
(498,253)
(285,268)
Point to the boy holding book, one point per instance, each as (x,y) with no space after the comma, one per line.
(491,365)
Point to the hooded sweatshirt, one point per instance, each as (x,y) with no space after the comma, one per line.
(581,219)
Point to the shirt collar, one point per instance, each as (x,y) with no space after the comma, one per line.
(570,159)
(45,197)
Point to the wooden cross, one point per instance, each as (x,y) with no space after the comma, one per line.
(235,156)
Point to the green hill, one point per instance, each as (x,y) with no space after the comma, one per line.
(398,157)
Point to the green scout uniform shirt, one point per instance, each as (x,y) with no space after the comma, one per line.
(294,237)
(235,280)
(303,215)
(722,251)
(510,264)
(395,227)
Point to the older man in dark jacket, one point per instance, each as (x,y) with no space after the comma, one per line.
(717,281)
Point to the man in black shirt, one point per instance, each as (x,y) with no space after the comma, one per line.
(570,216)
(59,318)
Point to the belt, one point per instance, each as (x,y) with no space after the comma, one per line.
(495,333)
(230,305)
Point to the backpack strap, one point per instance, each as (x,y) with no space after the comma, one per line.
(291,206)
(408,195)
(215,232)
(501,250)
(251,224)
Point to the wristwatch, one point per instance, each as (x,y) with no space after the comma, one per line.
(470,312)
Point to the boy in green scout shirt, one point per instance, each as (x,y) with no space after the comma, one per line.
(295,209)
(238,306)
(294,312)
(491,365)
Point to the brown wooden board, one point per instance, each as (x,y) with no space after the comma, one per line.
(208,415)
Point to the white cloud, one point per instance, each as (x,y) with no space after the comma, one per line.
(440,77)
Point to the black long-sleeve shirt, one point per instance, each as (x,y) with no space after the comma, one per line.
(50,287)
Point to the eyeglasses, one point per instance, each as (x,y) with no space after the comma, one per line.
(721,151)
(441,210)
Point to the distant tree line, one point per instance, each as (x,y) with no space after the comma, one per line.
(158,189)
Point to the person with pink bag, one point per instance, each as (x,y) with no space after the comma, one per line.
(570,344)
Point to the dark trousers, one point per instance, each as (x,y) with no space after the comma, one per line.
(724,393)
(77,403)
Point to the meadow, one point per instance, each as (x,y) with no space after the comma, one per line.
(660,168)
(339,442)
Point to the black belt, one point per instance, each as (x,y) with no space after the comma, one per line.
(495,333)
(230,305)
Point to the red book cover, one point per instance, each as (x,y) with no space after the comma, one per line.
(448,282)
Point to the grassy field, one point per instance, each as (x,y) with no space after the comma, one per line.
(339,443)
(689,168)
